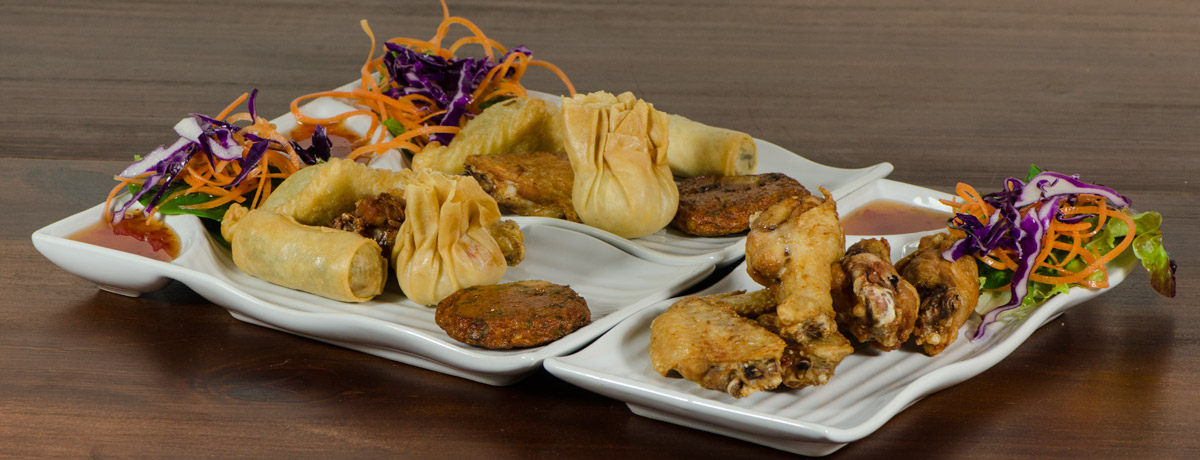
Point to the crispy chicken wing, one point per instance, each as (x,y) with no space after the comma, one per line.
(790,250)
(529,184)
(949,291)
(872,301)
(748,304)
(814,348)
(705,341)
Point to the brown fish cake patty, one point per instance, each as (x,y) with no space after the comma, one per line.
(512,315)
(722,205)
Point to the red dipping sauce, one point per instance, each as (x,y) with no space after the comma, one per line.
(135,234)
(888,217)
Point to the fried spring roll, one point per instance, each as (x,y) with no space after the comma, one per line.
(331,263)
(696,149)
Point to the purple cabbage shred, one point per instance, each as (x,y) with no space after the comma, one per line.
(1007,229)
(215,139)
(450,83)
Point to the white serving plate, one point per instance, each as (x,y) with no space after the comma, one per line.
(868,389)
(614,283)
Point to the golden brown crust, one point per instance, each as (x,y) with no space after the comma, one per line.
(527,183)
(512,315)
(707,342)
(722,205)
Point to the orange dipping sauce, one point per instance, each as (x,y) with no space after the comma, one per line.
(888,217)
(135,234)
(343,139)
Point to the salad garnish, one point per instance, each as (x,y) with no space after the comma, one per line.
(219,163)
(1039,237)
(420,92)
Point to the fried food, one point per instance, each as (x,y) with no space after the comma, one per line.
(522,124)
(949,291)
(510,239)
(285,241)
(814,348)
(748,304)
(872,301)
(445,243)
(705,341)
(617,146)
(331,263)
(317,194)
(790,249)
(722,205)
(698,149)
(377,217)
(527,183)
(512,315)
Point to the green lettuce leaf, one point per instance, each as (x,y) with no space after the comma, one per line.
(1148,247)
(177,204)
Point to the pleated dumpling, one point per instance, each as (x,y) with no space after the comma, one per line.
(618,150)
(444,244)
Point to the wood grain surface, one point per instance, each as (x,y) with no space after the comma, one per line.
(947,91)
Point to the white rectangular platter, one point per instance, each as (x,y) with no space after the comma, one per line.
(616,276)
(868,389)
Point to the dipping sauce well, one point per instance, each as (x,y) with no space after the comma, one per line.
(135,234)
(888,217)
(344,140)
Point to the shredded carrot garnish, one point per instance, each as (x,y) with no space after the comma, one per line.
(1063,245)
(215,178)
(416,113)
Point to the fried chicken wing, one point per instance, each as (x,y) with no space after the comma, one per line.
(814,348)
(705,341)
(790,249)
(948,290)
(748,304)
(872,301)
(529,184)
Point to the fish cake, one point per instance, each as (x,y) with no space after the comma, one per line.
(722,205)
(512,315)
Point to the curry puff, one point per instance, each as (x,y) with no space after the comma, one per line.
(451,235)
(523,124)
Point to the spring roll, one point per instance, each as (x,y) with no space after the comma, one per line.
(331,263)
(697,149)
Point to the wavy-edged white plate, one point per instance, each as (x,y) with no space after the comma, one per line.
(868,389)
(614,283)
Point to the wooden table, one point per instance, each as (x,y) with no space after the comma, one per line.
(970,91)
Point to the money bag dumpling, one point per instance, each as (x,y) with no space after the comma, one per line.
(444,243)
(618,150)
